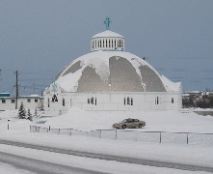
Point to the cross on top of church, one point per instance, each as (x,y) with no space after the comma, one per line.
(107,23)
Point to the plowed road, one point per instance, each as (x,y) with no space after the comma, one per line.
(46,167)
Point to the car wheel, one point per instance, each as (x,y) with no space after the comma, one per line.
(123,126)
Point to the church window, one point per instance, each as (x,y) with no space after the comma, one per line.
(106,43)
(120,43)
(54,98)
(131,102)
(128,101)
(172,100)
(63,102)
(103,43)
(3,100)
(92,100)
(48,103)
(157,100)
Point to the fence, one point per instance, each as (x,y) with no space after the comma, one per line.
(134,135)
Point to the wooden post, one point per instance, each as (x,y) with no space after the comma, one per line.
(8,125)
(116,134)
(187,138)
(70,131)
(99,133)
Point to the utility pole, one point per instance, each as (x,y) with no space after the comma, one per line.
(17,90)
(0,80)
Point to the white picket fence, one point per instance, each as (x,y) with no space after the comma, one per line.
(135,135)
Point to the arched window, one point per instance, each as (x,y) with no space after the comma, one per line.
(128,101)
(106,43)
(92,100)
(157,100)
(103,43)
(48,102)
(63,102)
(131,102)
(54,98)
(109,43)
(172,100)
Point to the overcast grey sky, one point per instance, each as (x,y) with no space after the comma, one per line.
(40,37)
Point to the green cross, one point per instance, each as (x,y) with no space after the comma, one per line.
(107,23)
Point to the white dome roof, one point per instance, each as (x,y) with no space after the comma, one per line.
(112,71)
(107,33)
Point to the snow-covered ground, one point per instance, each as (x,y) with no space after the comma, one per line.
(86,163)
(184,154)
(91,120)
(155,121)
(185,121)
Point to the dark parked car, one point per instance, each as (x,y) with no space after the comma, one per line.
(129,123)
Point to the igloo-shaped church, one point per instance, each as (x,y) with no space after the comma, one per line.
(108,78)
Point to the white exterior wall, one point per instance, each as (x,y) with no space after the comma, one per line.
(142,101)
(8,105)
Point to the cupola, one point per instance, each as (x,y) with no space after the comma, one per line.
(107,40)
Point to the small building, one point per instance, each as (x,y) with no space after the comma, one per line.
(32,102)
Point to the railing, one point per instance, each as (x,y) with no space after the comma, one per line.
(134,135)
